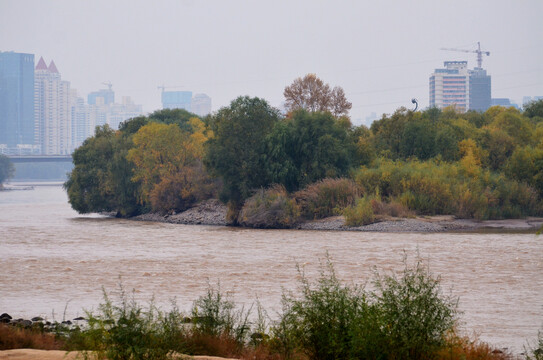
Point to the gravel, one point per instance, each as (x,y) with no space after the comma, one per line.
(213,212)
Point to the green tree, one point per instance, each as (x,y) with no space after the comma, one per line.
(306,148)
(7,170)
(388,132)
(234,154)
(418,139)
(89,185)
(534,109)
(101,177)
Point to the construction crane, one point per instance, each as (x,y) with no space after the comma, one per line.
(109,85)
(479,53)
(168,87)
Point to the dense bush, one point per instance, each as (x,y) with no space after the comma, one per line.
(415,315)
(463,189)
(361,213)
(326,197)
(321,321)
(269,208)
(406,317)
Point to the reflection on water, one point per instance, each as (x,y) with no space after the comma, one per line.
(52,258)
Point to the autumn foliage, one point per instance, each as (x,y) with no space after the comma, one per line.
(312,162)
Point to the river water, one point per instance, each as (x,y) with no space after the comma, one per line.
(54,263)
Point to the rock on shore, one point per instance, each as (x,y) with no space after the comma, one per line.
(209,212)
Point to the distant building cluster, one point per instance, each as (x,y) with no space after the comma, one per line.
(199,104)
(40,114)
(456,85)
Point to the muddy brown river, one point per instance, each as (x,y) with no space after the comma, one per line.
(54,263)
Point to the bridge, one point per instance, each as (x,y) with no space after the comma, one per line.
(39,158)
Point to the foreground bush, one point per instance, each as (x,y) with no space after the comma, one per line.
(415,315)
(269,208)
(535,352)
(326,197)
(404,318)
(125,330)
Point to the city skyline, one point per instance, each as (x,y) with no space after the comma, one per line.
(381,54)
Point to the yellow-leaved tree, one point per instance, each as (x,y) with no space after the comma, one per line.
(168,164)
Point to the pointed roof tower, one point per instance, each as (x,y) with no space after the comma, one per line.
(53,67)
(41,64)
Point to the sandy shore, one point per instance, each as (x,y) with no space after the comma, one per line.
(31,354)
(212,212)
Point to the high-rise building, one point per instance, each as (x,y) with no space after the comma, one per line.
(450,86)
(479,90)
(52,110)
(107,95)
(177,100)
(120,112)
(17,103)
(456,85)
(100,111)
(201,104)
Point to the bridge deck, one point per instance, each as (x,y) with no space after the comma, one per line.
(39,158)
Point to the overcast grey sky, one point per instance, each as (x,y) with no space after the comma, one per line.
(380,52)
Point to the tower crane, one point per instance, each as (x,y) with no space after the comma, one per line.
(168,87)
(109,85)
(479,53)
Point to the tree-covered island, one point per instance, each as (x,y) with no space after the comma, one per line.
(276,170)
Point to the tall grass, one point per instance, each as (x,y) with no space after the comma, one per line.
(462,189)
(12,337)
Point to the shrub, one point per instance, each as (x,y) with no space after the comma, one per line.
(269,208)
(125,330)
(404,318)
(215,315)
(320,322)
(535,352)
(326,197)
(462,189)
(359,214)
(415,316)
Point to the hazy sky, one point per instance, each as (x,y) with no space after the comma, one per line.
(380,52)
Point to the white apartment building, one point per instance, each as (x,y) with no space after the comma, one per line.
(451,86)
(52,110)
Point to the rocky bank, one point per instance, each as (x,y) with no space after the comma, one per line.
(213,212)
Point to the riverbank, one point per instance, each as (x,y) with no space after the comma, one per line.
(213,212)
(31,354)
